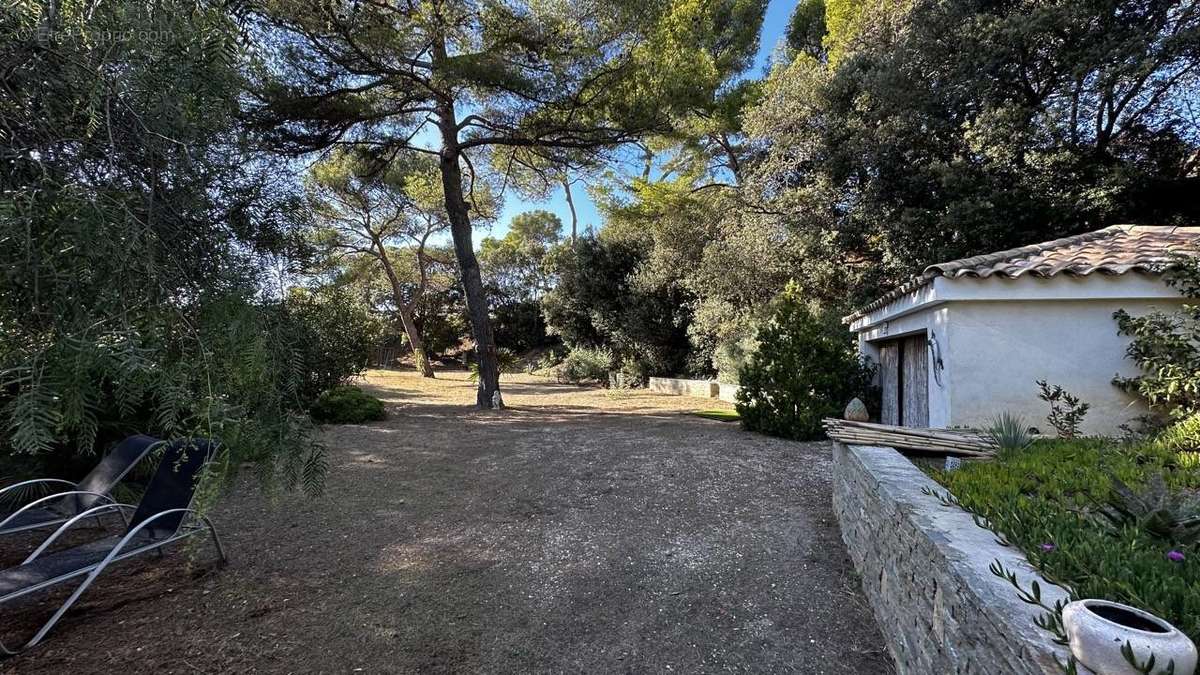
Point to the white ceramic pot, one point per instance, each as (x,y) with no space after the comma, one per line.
(1097,629)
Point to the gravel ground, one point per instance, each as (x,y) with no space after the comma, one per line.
(577,531)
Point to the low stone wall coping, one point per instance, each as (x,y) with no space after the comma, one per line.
(925,571)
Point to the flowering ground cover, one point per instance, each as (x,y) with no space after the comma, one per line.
(1104,519)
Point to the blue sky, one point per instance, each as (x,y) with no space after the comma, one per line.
(774,25)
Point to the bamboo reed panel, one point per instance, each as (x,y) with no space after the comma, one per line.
(969,443)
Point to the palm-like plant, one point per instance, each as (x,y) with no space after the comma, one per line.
(506,361)
(1009,432)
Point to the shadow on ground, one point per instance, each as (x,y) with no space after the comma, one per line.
(576,531)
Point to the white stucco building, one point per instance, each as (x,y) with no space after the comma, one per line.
(967,339)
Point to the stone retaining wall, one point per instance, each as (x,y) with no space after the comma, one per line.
(671,385)
(727,392)
(924,569)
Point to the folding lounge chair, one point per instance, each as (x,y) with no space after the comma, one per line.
(163,516)
(93,490)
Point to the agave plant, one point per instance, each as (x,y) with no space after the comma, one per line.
(1009,432)
(1156,509)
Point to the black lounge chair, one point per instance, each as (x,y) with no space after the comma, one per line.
(93,490)
(163,516)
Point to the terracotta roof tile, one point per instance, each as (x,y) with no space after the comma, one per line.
(1113,250)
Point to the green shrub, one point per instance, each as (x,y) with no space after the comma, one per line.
(1166,348)
(729,358)
(1049,500)
(584,365)
(347,405)
(631,374)
(332,336)
(805,369)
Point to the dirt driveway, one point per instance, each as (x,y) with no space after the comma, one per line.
(577,531)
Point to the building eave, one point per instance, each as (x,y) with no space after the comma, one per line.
(944,290)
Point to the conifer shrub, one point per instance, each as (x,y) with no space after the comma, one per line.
(805,369)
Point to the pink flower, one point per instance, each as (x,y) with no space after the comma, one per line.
(1175,556)
(1047,547)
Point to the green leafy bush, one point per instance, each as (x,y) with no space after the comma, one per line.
(347,404)
(133,264)
(332,336)
(1049,500)
(519,326)
(805,369)
(601,301)
(583,365)
(1166,348)
(730,357)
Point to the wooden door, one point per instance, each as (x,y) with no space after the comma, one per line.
(914,411)
(889,382)
(904,382)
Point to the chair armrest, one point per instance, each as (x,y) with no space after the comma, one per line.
(39,502)
(90,513)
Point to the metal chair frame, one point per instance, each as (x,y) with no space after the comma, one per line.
(118,553)
(37,504)
(76,489)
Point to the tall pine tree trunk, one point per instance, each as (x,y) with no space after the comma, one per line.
(488,394)
(468,265)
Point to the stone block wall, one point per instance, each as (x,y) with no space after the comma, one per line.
(924,569)
(671,385)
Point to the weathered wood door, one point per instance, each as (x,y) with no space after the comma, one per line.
(889,382)
(904,381)
(915,378)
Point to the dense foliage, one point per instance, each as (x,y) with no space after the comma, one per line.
(891,136)
(806,369)
(137,226)
(1050,500)
(943,128)
(332,336)
(599,302)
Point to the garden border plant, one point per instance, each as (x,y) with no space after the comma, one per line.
(1067,505)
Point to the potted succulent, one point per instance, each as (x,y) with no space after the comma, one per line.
(1105,636)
